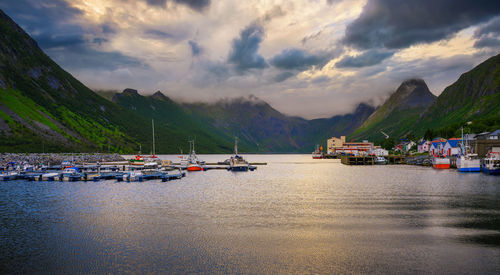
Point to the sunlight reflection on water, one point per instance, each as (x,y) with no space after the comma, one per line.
(293,215)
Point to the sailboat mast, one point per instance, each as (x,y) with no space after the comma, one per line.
(153,125)
(236,146)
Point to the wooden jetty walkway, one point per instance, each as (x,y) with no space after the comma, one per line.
(370,160)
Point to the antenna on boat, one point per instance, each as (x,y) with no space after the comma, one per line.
(153,125)
(236,145)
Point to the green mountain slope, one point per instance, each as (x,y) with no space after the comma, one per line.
(398,114)
(259,125)
(178,123)
(44,106)
(475,97)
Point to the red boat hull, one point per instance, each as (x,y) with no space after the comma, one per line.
(194,168)
(317,157)
(441,166)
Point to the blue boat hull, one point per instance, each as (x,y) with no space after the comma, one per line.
(491,171)
(239,168)
(469,169)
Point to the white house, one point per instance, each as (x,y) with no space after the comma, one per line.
(452,147)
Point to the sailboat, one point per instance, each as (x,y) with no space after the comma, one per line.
(193,163)
(139,159)
(467,162)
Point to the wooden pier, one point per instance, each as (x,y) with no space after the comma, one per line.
(357,160)
(396,159)
(370,160)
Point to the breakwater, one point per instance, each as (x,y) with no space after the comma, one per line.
(57,158)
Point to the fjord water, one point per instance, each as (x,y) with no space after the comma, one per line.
(294,215)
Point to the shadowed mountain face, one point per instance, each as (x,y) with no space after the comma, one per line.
(475,97)
(398,114)
(259,127)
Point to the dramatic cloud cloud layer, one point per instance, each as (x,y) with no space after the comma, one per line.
(397,24)
(307,58)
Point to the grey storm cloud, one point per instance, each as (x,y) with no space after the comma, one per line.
(244,52)
(47,23)
(193,4)
(296,59)
(283,76)
(488,34)
(195,48)
(158,34)
(396,24)
(369,58)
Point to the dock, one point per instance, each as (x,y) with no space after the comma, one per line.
(357,160)
(370,160)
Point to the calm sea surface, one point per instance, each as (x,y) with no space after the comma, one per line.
(295,215)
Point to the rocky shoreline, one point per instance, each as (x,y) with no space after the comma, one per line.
(57,158)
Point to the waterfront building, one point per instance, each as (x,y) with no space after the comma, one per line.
(437,146)
(333,143)
(379,152)
(340,146)
(452,147)
(424,146)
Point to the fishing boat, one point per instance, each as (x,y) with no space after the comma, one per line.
(441,162)
(138,160)
(467,162)
(491,164)
(72,174)
(236,162)
(318,153)
(192,162)
(380,160)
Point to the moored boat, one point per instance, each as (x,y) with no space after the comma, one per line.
(468,163)
(318,152)
(380,160)
(441,162)
(236,162)
(491,164)
(193,163)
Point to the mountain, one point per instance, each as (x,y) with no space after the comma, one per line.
(261,126)
(399,113)
(44,107)
(475,97)
(178,124)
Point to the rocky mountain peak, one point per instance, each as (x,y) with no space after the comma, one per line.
(412,93)
(160,96)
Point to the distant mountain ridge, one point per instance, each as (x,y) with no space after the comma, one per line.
(259,127)
(473,101)
(399,112)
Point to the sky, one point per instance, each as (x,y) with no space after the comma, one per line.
(310,58)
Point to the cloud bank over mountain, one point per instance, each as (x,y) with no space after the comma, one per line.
(313,59)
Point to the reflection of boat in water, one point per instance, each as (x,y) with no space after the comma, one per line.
(192,162)
(380,160)
(491,164)
(441,162)
(236,162)
(318,153)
